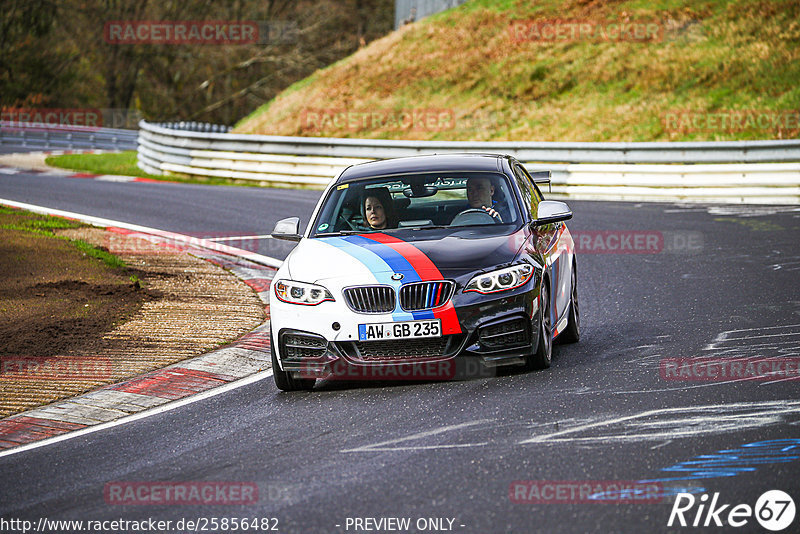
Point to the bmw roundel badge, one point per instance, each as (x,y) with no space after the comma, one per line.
(397,276)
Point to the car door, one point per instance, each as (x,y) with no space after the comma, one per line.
(555,242)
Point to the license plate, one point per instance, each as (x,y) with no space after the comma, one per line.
(404,330)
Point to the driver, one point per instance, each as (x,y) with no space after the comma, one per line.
(479,195)
(377,209)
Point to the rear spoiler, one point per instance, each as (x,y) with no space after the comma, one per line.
(542,177)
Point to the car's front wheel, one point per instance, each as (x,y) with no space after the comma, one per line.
(284,380)
(544,348)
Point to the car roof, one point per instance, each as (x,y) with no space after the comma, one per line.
(418,164)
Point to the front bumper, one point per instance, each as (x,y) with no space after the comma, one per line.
(322,341)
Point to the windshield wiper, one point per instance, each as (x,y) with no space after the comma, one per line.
(344,232)
(372,231)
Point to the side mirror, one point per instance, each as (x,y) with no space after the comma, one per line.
(552,211)
(287,229)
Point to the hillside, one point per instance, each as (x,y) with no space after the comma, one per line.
(561,70)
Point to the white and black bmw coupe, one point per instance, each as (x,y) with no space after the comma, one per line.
(410,266)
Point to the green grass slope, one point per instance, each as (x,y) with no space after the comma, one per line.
(715,70)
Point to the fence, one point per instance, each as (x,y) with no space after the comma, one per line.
(761,172)
(51,137)
(406,11)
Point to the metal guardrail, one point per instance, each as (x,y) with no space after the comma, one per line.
(738,171)
(660,152)
(47,137)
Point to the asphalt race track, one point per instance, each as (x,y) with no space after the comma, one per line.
(719,283)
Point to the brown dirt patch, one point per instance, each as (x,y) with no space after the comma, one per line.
(53,298)
(91,323)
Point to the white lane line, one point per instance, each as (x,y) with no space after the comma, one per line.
(680,388)
(788,379)
(141,415)
(233,238)
(725,336)
(684,210)
(419,448)
(756,329)
(380,446)
(751,347)
(779,334)
(99,221)
(115,178)
(696,423)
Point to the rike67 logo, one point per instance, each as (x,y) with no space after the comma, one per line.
(774,511)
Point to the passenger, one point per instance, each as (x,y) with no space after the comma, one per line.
(377,209)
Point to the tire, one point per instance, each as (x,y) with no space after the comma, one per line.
(572,333)
(285,381)
(544,347)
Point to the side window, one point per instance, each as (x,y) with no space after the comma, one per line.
(538,193)
(536,196)
(527,188)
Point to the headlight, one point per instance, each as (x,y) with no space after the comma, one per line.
(301,293)
(501,280)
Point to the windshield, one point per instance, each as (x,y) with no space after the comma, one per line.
(417,201)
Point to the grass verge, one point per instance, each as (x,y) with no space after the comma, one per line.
(713,70)
(119,163)
(124,164)
(57,293)
(44,225)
